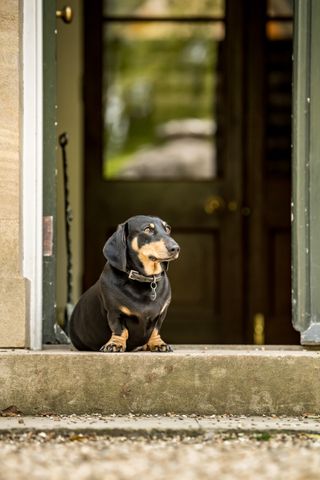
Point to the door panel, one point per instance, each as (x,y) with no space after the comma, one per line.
(280,291)
(194,314)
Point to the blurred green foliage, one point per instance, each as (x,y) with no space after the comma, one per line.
(154,72)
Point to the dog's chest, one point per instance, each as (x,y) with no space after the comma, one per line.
(141,325)
(147,310)
(147,299)
(136,300)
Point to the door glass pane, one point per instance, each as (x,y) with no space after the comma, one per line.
(161,94)
(280,8)
(164,8)
(276,30)
(279,32)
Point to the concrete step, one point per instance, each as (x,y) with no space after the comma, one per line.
(201,380)
(159,425)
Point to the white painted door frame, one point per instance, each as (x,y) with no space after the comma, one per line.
(32,164)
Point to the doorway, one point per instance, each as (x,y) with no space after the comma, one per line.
(187,117)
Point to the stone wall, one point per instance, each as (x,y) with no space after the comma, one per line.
(12,285)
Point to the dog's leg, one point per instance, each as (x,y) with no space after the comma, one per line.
(156,344)
(117,343)
(120,334)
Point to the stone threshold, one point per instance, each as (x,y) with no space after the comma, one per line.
(197,380)
(150,426)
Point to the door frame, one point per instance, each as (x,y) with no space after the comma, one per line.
(32,166)
(32,173)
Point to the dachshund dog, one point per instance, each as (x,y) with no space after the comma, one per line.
(125,308)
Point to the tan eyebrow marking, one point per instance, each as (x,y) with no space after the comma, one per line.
(151,225)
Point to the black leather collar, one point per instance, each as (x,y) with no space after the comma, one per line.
(134,275)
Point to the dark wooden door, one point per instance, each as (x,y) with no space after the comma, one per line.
(232,282)
(203,205)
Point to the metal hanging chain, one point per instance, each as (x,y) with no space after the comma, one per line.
(63,142)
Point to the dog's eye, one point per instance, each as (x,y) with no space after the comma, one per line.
(167,228)
(149,229)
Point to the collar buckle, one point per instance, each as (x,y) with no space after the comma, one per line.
(132,274)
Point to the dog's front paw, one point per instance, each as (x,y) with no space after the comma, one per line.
(156,344)
(163,347)
(117,343)
(112,347)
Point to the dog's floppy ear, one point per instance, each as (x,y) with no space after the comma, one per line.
(115,249)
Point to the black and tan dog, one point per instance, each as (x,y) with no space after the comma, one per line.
(125,308)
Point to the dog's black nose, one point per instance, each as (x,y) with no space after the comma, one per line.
(174,249)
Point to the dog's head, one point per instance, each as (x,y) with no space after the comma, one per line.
(142,243)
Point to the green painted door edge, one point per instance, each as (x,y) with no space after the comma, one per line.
(49,170)
(306,173)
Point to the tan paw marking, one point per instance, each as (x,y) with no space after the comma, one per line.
(156,344)
(117,343)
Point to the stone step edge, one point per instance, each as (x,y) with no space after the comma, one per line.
(145,426)
(196,382)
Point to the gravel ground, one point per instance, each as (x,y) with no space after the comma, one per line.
(50,456)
